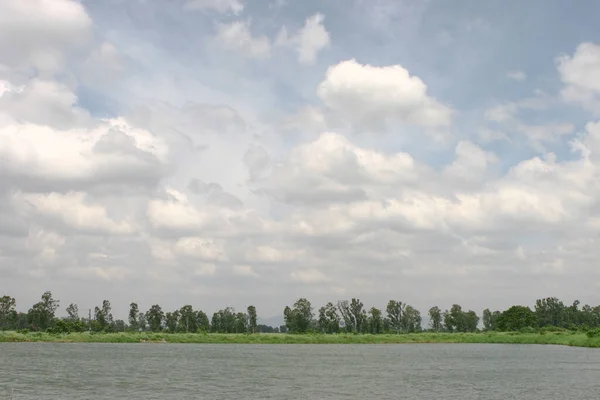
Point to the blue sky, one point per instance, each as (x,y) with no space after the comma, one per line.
(237,151)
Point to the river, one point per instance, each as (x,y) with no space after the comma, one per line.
(193,371)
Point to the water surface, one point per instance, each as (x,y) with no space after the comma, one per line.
(201,371)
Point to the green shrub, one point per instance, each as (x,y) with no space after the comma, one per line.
(593,333)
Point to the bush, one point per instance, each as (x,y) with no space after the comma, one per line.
(23,331)
(552,328)
(592,333)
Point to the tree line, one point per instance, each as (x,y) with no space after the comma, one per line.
(343,317)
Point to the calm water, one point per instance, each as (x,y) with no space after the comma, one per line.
(171,371)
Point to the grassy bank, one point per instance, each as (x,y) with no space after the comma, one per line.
(558,338)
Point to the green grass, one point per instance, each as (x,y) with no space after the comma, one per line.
(557,338)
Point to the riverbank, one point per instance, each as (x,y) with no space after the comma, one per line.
(566,338)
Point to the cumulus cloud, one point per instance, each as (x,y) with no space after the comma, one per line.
(369,95)
(41,33)
(37,157)
(311,39)
(332,169)
(581,76)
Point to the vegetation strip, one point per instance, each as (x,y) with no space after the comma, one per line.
(566,338)
(551,322)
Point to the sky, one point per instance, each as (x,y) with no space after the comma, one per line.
(235,152)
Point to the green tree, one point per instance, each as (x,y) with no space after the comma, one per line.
(172,321)
(517,317)
(299,319)
(457,318)
(550,312)
(41,315)
(470,320)
(375,321)
(411,319)
(252,324)
(141,321)
(448,322)
(72,312)
(188,321)
(359,315)
(8,312)
(241,323)
(155,317)
(202,321)
(347,319)
(394,312)
(329,320)
(490,320)
(133,317)
(435,319)
(119,326)
(103,318)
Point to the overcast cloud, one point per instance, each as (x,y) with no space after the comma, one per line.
(231,152)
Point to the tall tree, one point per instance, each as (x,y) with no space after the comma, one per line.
(471,320)
(490,320)
(457,318)
(241,323)
(375,321)
(155,317)
(329,320)
(411,319)
(202,321)
(133,317)
(8,312)
(448,322)
(72,312)
(394,311)
(172,321)
(41,315)
(435,319)
(299,319)
(359,315)
(347,320)
(188,321)
(103,318)
(252,324)
(141,321)
(550,312)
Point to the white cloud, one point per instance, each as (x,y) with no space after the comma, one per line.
(581,75)
(41,33)
(237,36)
(73,210)
(368,95)
(113,153)
(332,169)
(518,76)
(221,6)
(199,248)
(43,102)
(471,163)
(311,39)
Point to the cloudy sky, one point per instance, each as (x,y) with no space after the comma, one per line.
(236,152)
